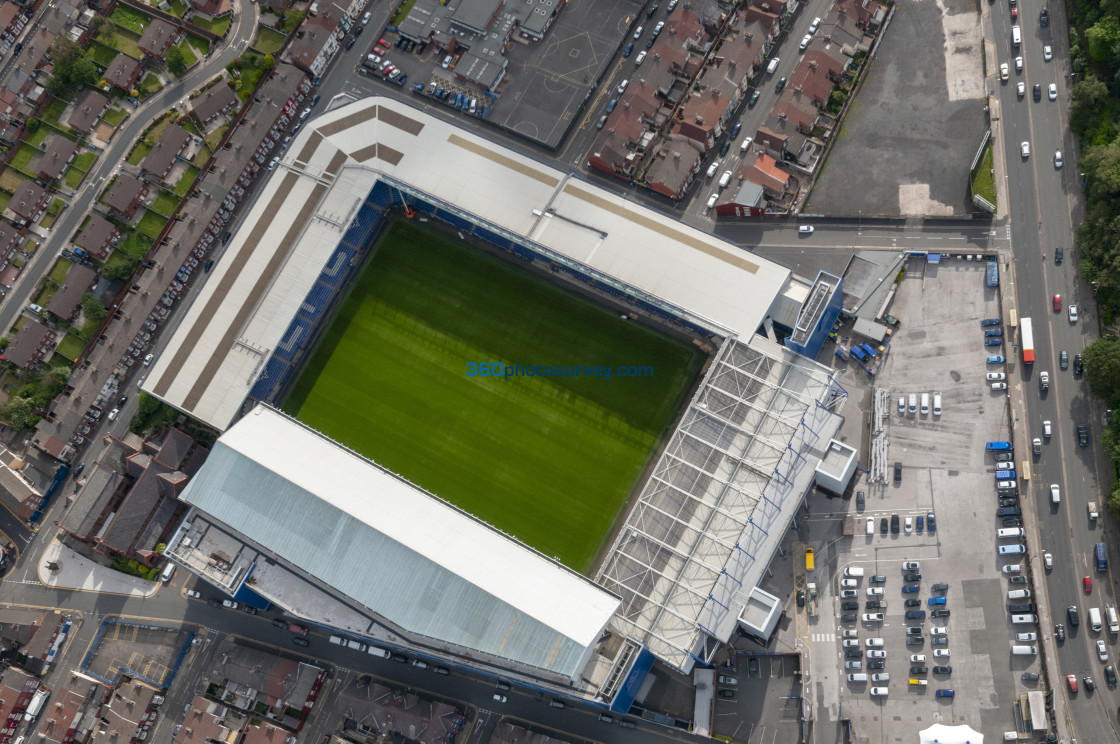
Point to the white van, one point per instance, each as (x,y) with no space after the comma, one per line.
(871,525)
(746,144)
(1012,549)
(937,404)
(1095,619)
(1019,594)
(337,640)
(379,652)
(856,571)
(1024,619)
(1010,532)
(925,403)
(1024,650)
(168,572)
(356,645)
(1016,36)
(1113,624)
(725,179)
(772,67)
(857,677)
(913,403)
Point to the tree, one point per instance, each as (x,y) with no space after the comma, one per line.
(292,19)
(268,62)
(72,68)
(1103,37)
(33,125)
(1102,368)
(92,308)
(97,24)
(175,61)
(1090,97)
(18,413)
(122,270)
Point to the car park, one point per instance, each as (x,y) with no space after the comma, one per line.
(945,693)
(911,566)
(874,604)
(943,670)
(894,524)
(853,665)
(911,588)
(1012,522)
(996,359)
(935,601)
(898,473)
(938,631)
(911,576)
(931,523)
(849,605)
(879,691)
(939,613)
(849,593)
(875,591)
(939,588)
(908,526)
(884,526)
(193,593)
(875,653)
(877,664)
(912,603)
(988,322)
(919,670)
(993,342)
(913,630)
(873,617)
(878,579)
(992,376)
(993,332)
(915,614)
(1018,580)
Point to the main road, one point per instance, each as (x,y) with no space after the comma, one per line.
(1044,203)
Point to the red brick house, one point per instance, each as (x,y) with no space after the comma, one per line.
(98,237)
(125,195)
(29,202)
(123,72)
(158,37)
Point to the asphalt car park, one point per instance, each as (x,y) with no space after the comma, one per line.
(937,348)
(923,85)
(768,703)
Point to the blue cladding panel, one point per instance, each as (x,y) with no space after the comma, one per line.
(624,698)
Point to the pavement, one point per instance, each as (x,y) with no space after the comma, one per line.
(78,573)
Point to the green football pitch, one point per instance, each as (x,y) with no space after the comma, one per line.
(549,460)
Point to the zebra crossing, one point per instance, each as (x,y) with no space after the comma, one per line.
(823,637)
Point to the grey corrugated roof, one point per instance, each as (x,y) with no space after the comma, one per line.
(434,588)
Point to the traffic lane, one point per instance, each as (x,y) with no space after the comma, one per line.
(15,534)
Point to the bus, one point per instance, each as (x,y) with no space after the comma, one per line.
(1025,473)
(810,557)
(1013,318)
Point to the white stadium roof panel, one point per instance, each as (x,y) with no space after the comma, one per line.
(244,308)
(417,561)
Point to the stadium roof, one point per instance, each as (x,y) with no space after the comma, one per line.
(415,560)
(247,303)
(720,499)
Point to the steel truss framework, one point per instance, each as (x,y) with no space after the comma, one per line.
(723,494)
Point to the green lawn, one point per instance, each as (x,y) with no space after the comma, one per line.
(134,244)
(189,56)
(61,267)
(53,112)
(202,156)
(114,116)
(185,182)
(149,85)
(218,26)
(73,177)
(84,160)
(23,157)
(130,18)
(101,54)
(5,197)
(268,41)
(53,211)
(122,39)
(45,130)
(165,203)
(214,138)
(178,8)
(151,223)
(70,347)
(138,153)
(201,45)
(551,460)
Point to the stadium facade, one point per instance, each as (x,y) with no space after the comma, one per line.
(681,573)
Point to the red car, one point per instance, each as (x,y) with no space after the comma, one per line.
(380,51)
(383,43)
(1014,13)
(1057,303)
(1072,680)
(1087,583)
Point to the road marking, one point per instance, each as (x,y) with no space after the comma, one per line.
(824,637)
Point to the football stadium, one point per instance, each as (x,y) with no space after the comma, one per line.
(564,530)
